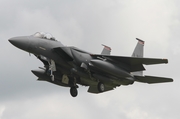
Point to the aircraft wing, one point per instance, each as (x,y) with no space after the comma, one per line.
(152,79)
(133,60)
(133,64)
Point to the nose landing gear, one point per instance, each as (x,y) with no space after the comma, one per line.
(52,68)
(74,86)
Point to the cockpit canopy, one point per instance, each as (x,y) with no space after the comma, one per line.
(44,36)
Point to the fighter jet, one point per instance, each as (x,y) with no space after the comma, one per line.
(70,66)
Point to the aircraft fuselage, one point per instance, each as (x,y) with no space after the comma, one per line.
(69,66)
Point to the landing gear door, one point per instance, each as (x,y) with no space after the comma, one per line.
(65,79)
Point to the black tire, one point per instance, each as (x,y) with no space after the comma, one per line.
(101,87)
(73,91)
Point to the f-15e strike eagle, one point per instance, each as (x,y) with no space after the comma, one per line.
(68,66)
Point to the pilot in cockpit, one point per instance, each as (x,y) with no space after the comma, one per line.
(44,35)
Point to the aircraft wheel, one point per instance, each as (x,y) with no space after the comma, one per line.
(74,91)
(101,87)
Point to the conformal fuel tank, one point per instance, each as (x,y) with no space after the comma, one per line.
(110,68)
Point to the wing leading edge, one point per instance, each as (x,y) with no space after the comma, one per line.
(134,60)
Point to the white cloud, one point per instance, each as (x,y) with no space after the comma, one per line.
(149,20)
(137,113)
(2,109)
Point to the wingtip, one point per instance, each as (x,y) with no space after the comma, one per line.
(165,60)
(171,80)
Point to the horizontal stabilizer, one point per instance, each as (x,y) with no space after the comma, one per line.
(152,79)
(150,61)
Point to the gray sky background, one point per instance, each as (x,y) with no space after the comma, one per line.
(87,25)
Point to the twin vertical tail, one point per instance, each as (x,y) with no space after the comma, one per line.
(106,50)
(139,49)
(138,52)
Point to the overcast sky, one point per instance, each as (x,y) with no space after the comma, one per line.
(87,24)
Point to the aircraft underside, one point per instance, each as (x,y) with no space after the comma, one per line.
(98,83)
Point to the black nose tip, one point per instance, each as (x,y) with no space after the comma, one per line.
(12,41)
(20,42)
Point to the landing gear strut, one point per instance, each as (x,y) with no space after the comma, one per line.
(52,68)
(73,91)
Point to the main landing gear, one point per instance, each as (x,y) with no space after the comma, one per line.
(73,91)
(74,86)
(100,87)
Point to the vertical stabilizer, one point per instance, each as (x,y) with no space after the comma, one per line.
(138,52)
(139,49)
(106,50)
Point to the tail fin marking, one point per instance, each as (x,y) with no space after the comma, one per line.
(106,50)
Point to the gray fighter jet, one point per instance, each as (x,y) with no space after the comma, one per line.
(69,66)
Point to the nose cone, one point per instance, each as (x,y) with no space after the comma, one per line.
(20,42)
